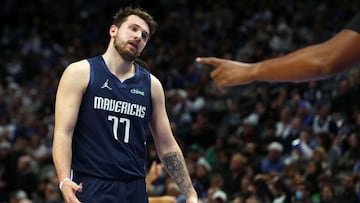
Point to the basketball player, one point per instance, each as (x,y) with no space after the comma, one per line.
(103,108)
(313,62)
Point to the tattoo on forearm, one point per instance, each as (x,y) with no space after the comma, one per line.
(178,172)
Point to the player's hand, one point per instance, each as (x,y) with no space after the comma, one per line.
(228,72)
(68,189)
(154,172)
(162,199)
(168,199)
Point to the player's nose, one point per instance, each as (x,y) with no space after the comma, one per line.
(137,36)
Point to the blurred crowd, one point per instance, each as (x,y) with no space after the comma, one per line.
(263,142)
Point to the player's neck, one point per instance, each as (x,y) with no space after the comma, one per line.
(118,66)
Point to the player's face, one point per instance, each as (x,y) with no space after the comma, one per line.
(131,37)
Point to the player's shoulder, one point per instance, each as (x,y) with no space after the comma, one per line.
(156,87)
(78,67)
(77,73)
(155,81)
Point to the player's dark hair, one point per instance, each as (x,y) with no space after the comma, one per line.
(123,13)
(142,64)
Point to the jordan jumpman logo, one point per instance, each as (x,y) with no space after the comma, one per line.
(106,85)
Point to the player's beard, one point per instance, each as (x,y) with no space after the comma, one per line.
(124,52)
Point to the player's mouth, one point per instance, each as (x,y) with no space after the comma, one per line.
(133,45)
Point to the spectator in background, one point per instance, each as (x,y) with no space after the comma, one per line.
(271,188)
(219,196)
(357,123)
(326,140)
(268,134)
(38,150)
(18,197)
(195,101)
(4,162)
(212,155)
(303,146)
(356,170)
(224,161)
(216,183)
(201,131)
(254,156)
(247,132)
(322,121)
(194,152)
(327,194)
(325,179)
(230,120)
(283,126)
(344,99)
(178,109)
(252,199)
(281,39)
(234,175)
(320,156)
(26,179)
(294,132)
(281,192)
(273,162)
(312,172)
(201,180)
(37,43)
(302,193)
(352,155)
(303,111)
(349,194)
(313,94)
(246,187)
(291,175)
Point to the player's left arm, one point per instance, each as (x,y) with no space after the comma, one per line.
(167,148)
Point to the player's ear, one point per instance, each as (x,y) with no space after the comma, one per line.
(113,30)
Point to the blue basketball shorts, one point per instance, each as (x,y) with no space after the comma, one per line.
(95,190)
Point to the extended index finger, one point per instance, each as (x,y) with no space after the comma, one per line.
(209,60)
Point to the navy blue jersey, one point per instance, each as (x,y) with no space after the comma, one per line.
(110,135)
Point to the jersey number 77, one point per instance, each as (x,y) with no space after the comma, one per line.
(116,122)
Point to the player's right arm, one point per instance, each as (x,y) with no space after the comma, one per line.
(70,91)
(312,62)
